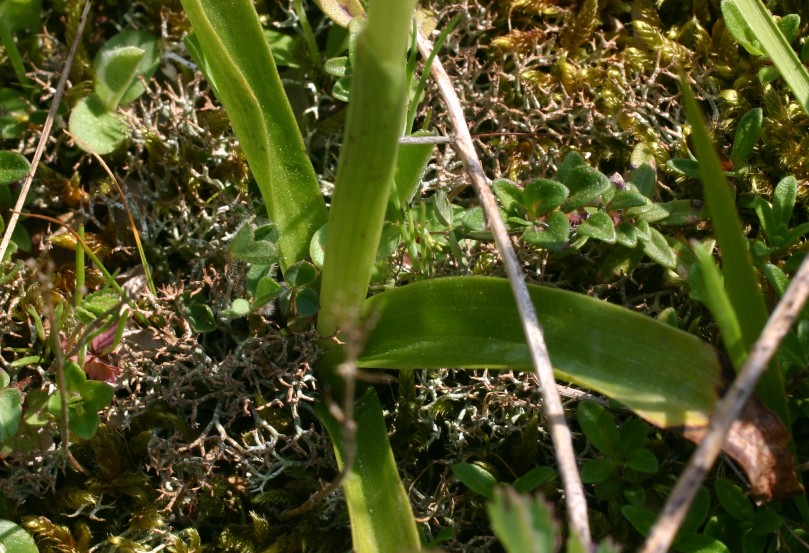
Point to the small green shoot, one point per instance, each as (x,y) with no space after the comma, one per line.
(120,64)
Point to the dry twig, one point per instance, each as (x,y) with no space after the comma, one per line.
(560,433)
(727,410)
(46,132)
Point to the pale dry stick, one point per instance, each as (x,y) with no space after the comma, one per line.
(46,132)
(560,433)
(727,410)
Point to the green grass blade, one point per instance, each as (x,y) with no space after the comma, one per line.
(248,85)
(762,26)
(381,517)
(665,375)
(741,283)
(719,304)
(365,171)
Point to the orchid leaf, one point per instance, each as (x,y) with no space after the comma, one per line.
(606,348)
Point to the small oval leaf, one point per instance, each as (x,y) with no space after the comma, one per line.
(13,167)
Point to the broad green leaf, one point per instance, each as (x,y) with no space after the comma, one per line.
(523,524)
(82,422)
(599,427)
(644,170)
(681,212)
(746,135)
(115,71)
(5,379)
(300,274)
(537,477)
(367,163)
(640,518)
(14,539)
(586,185)
(642,460)
(659,250)
(474,219)
(245,247)
(96,395)
(741,284)
(10,411)
(733,500)
(381,517)
(100,129)
(634,433)
(687,167)
(13,167)
(594,471)
(699,543)
(626,235)
(240,307)
(284,48)
(267,289)
(238,60)
(788,25)
(542,196)
(599,225)
(476,478)
(698,511)
(572,160)
(555,235)
(121,85)
(603,347)
(337,67)
(307,302)
(627,198)
(783,200)
(510,196)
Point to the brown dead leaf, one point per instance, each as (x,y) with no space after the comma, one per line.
(759,442)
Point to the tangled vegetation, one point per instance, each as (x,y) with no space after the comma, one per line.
(190,380)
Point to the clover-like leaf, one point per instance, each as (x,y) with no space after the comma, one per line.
(13,167)
(121,63)
(510,196)
(555,235)
(300,274)
(246,247)
(541,196)
(659,250)
(599,427)
(99,129)
(586,185)
(687,167)
(599,225)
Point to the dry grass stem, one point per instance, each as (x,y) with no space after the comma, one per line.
(727,410)
(46,132)
(560,433)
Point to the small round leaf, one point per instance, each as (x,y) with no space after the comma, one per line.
(13,167)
